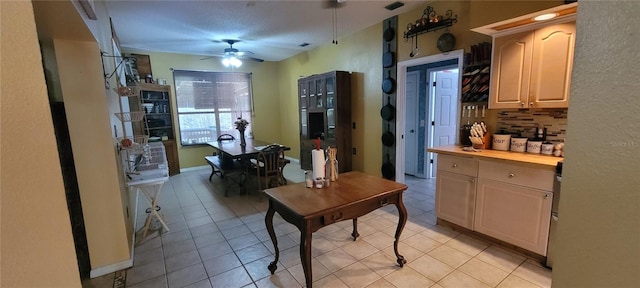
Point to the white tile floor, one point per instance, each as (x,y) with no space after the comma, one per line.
(218,241)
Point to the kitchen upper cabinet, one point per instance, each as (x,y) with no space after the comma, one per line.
(532,69)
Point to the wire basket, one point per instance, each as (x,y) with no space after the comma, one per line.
(128,91)
(147,157)
(130,116)
(136,140)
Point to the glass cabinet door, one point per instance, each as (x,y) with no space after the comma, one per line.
(312,93)
(330,91)
(303,92)
(331,124)
(320,93)
(304,132)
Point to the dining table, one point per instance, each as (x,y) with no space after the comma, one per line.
(233,150)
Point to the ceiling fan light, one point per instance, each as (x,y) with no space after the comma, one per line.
(231,61)
(235,62)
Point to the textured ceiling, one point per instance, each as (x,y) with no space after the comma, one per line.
(271,30)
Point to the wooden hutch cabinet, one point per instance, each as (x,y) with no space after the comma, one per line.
(155,101)
(325,113)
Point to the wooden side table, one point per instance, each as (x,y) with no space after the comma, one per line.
(353,195)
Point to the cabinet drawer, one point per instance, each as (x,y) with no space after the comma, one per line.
(362,208)
(460,165)
(517,174)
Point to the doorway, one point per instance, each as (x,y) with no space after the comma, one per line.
(431,112)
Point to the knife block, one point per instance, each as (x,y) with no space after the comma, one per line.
(486,142)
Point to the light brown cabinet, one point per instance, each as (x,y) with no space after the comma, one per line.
(504,200)
(455,201)
(513,204)
(532,69)
(515,214)
(324,102)
(456,189)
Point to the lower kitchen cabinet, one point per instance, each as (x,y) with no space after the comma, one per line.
(515,214)
(506,200)
(455,200)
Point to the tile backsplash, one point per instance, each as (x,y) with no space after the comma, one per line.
(525,122)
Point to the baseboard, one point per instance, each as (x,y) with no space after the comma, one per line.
(296,160)
(188,169)
(111,268)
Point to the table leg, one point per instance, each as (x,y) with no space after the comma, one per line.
(402,220)
(305,253)
(355,233)
(268,221)
(152,193)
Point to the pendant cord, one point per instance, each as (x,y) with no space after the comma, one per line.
(335,26)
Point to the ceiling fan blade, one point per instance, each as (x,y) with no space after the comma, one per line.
(254,59)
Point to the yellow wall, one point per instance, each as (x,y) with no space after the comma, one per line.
(72,58)
(361,54)
(599,226)
(266,118)
(93,151)
(36,242)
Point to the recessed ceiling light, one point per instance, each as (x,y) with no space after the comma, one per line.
(544,17)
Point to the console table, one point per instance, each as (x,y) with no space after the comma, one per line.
(353,195)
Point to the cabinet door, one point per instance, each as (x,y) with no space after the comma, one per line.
(320,93)
(552,65)
(171,150)
(514,214)
(455,198)
(510,70)
(303,92)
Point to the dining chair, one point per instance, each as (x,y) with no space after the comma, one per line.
(268,167)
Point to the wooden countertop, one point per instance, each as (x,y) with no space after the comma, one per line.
(538,160)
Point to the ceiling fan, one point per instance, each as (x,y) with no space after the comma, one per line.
(230,53)
(334,4)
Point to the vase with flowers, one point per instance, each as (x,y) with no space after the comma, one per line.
(241,125)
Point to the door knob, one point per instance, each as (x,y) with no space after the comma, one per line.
(411,131)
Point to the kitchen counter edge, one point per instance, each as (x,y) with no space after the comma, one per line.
(529,159)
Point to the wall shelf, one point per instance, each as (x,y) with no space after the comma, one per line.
(430,22)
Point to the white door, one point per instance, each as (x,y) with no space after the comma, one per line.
(411,118)
(443,106)
(401,105)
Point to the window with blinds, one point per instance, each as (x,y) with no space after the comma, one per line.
(209,103)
